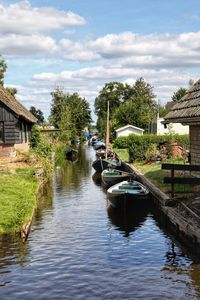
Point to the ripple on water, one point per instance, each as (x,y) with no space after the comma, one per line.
(79,249)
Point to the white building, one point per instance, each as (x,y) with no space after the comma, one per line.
(128,129)
(156,127)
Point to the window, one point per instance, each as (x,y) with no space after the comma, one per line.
(1,132)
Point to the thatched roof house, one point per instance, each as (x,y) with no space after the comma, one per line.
(187,112)
(187,109)
(15,124)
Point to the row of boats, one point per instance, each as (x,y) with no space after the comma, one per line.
(123,188)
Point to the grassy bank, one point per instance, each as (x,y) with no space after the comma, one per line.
(18,199)
(154,172)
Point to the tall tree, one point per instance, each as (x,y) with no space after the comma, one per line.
(139,107)
(3,68)
(38,114)
(69,112)
(179,94)
(57,104)
(114,93)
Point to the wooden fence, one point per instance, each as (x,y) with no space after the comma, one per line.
(192,180)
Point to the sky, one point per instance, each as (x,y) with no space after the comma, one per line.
(80,45)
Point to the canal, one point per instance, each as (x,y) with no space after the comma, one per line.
(78,248)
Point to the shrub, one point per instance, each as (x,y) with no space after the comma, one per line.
(152,153)
(121,142)
(35,136)
(137,145)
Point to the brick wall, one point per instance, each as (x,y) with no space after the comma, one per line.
(7,151)
(10,150)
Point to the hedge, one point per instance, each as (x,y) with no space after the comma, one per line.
(137,145)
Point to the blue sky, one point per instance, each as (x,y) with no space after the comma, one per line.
(80,45)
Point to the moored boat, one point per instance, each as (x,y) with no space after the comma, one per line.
(101,153)
(71,154)
(101,164)
(113,176)
(98,145)
(127,193)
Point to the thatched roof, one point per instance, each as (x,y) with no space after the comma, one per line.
(187,109)
(10,101)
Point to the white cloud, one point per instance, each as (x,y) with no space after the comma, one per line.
(18,45)
(88,81)
(22,18)
(28,32)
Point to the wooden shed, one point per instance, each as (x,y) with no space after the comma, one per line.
(129,129)
(15,124)
(187,112)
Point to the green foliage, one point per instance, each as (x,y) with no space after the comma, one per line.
(140,108)
(35,137)
(38,114)
(138,145)
(59,153)
(121,142)
(11,90)
(133,105)
(3,68)
(179,94)
(70,113)
(152,153)
(44,149)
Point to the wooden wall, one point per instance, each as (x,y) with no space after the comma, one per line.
(195,144)
(16,130)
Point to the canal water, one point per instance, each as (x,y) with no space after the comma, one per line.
(79,248)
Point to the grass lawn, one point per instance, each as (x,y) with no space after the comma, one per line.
(154,172)
(123,154)
(17,199)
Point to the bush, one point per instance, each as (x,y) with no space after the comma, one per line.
(152,153)
(35,137)
(121,142)
(137,145)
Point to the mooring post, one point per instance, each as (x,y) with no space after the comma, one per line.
(172,176)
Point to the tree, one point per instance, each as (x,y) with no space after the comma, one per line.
(3,68)
(38,114)
(179,94)
(113,92)
(57,104)
(70,113)
(12,91)
(139,108)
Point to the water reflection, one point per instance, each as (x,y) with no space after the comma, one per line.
(78,248)
(96,177)
(127,221)
(71,174)
(12,252)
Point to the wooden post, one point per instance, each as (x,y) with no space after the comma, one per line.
(172,176)
(107,132)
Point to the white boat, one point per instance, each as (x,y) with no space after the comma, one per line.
(127,193)
(112,176)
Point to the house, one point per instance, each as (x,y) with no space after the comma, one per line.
(187,112)
(15,124)
(128,129)
(157,127)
